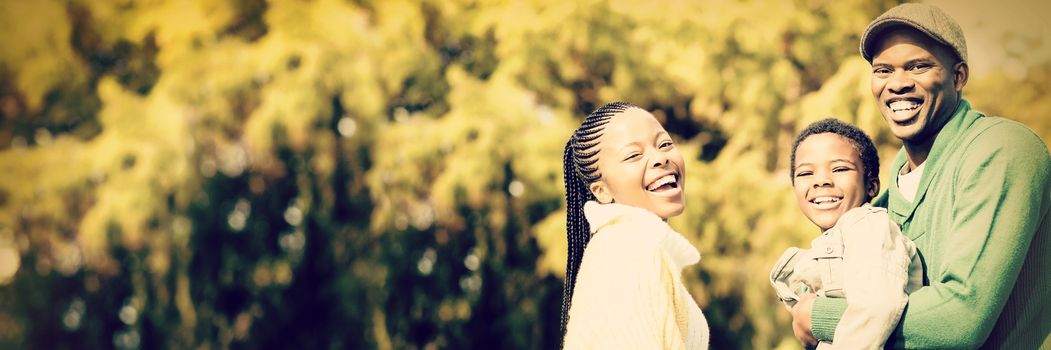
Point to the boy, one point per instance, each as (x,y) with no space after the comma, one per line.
(861,252)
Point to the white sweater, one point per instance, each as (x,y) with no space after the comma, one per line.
(629,293)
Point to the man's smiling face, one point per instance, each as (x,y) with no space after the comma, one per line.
(914,83)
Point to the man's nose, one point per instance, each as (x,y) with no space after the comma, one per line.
(900,82)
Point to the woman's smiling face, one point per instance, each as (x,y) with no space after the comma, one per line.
(640,165)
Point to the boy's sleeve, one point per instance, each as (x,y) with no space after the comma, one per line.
(781,277)
(875,272)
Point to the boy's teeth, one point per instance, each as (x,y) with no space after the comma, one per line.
(820,200)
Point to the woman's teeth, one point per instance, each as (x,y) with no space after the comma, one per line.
(665,180)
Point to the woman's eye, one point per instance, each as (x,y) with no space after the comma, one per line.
(803,173)
(666,144)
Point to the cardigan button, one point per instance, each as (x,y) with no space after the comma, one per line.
(828,250)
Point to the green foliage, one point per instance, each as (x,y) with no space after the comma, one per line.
(386,174)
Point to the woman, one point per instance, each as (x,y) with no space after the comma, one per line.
(624,179)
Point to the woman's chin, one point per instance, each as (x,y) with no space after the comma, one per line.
(669,210)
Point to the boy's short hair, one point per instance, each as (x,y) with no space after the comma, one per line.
(861,141)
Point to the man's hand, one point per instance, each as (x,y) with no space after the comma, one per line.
(801,320)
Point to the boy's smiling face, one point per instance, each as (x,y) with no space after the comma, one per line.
(829,178)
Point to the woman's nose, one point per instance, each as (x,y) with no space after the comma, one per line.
(660,160)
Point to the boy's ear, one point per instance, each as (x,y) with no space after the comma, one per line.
(873,189)
(601,192)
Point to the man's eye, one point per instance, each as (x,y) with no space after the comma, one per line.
(632,156)
(920,67)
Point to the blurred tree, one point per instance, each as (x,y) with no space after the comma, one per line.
(1024,100)
(385,174)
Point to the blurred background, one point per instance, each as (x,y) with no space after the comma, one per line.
(386,174)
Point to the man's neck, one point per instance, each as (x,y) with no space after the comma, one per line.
(916,154)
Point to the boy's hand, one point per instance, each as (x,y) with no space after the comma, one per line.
(801,320)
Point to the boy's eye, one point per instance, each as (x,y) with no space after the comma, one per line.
(840,169)
(803,173)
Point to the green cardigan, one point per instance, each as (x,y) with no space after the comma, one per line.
(980,221)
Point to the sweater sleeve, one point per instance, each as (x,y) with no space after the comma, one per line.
(624,295)
(825,316)
(1002,185)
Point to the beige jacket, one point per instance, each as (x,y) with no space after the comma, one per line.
(863,258)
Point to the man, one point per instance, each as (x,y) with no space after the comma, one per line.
(973,192)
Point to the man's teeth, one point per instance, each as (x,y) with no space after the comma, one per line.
(898,106)
(820,200)
(666,179)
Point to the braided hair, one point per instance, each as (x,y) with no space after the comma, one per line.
(579,170)
(857,138)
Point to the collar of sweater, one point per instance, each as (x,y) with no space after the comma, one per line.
(641,227)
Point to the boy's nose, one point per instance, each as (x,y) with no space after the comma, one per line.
(822,181)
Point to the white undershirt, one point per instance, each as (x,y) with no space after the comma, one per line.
(909,182)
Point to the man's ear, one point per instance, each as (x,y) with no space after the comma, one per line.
(601,191)
(960,73)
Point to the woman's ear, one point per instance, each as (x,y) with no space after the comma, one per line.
(601,192)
